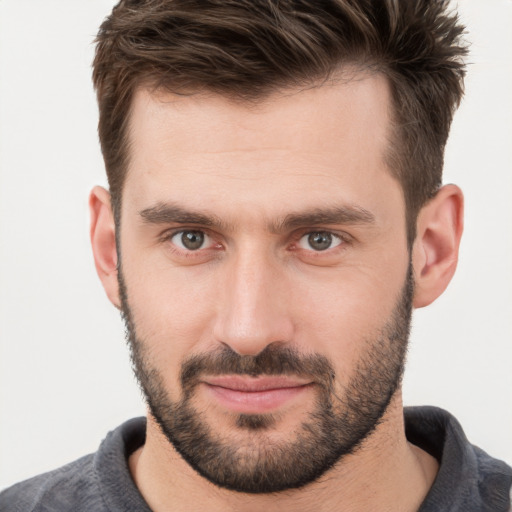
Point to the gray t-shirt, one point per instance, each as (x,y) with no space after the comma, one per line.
(469,480)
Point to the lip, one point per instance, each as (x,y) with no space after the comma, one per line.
(257,395)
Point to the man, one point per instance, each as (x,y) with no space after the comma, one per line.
(275,212)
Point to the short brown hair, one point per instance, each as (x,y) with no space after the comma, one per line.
(246,49)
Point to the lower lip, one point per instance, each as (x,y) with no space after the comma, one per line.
(254,402)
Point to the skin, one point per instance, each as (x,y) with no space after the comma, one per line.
(250,167)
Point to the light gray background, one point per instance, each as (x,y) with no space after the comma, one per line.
(65,377)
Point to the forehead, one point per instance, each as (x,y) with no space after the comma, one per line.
(353,103)
(208,148)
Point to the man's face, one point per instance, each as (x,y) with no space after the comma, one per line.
(265,277)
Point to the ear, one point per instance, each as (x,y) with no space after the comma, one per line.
(103,240)
(436,247)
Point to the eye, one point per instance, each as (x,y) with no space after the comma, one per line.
(319,241)
(191,240)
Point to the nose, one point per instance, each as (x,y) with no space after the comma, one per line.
(254,308)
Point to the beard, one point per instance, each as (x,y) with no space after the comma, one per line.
(249,458)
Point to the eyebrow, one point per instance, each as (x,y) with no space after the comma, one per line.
(168,213)
(346,215)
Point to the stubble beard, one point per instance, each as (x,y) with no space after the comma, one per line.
(253,460)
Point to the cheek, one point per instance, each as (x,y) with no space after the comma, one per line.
(340,316)
(172,311)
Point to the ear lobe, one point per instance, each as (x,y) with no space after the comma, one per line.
(436,247)
(103,241)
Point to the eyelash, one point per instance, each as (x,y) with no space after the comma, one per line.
(343,238)
(169,235)
(323,256)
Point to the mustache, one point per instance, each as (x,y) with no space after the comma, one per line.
(273,360)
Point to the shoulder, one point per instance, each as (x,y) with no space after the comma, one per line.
(99,482)
(494,480)
(71,487)
(468,479)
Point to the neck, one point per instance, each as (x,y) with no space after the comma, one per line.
(385,473)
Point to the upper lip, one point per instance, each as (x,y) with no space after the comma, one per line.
(252,384)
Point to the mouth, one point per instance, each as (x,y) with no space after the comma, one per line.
(255,395)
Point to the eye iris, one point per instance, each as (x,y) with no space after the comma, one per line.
(192,240)
(320,241)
